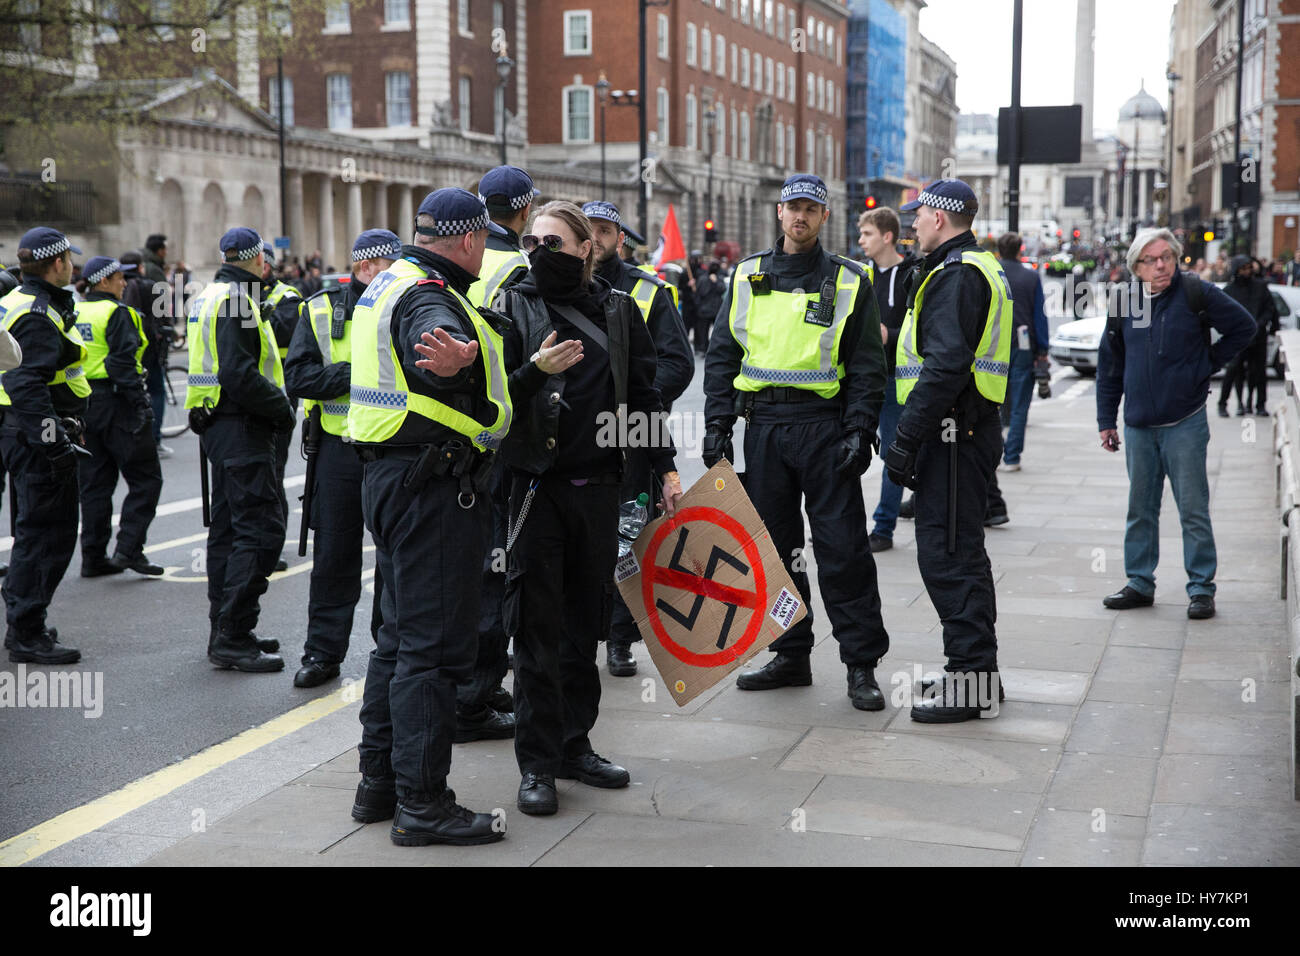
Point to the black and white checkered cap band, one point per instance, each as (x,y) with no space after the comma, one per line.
(803,189)
(250,253)
(516,202)
(58,247)
(945,203)
(103,273)
(456,227)
(388,250)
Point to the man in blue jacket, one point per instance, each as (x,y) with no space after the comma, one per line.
(1028,343)
(1159,358)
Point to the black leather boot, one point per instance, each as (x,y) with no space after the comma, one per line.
(863,689)
(441,819)
(487,724)
(537,796)
(42,648)
(783,670)
(619,659)
(962,695)
(376,799)
(240,652)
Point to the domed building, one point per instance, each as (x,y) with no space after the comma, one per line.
(1140,140)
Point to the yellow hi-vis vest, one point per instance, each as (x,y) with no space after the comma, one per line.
(13,307)
(643,294)
(780,345)
(992,356)
(380,397)
(320,312)
(498,266)
(92,323)
(672,287)
(202,335)
(279,291)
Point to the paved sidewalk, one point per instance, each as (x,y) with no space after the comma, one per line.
(1127,738)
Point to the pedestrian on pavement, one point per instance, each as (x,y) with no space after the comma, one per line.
(565,493)
(891,276)
(674,369)
(237,403)
(954,350)
(119,426)
(710,287)
(282,308)
(149,293)
(796,350)
(318,370)
(1028,343)
(427,429)
(1157,355)
(1250,365)
(42,402)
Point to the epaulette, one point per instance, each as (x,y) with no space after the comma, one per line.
(851,265)
(440,283)
(954,257)
(321,292)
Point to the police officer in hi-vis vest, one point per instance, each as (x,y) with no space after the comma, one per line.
(281,306)
(954,351)
(319,371)
(428,439)
(237,402)
(674,369)
(796,350)
(119,426)
(41,402)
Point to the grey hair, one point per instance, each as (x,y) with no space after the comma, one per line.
(1147,236)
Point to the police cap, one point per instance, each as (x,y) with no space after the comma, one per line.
(950,195)
(376,244)
(44,242)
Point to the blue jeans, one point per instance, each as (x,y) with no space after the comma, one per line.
(1020,392)
(891,495)
(1176,451)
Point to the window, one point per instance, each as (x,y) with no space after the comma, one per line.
(397,12)
(780,82)
(720,137)
(789,146)
(791,90)
(811,88)
(744,135)
(273,98)
(780,143)
(821,38)
(720,54)
(577,33)
(661,103)
(397,95)
(830,97)
(830,41)
(160,11)
(821,93)
(577,114)
(498,15)
(465,103)
(706,50)
(830,155)
(663,36)
(767,77)
(338,19)
(735,134)
(744,66)
(767,17)
(463,22)
(810,150)
(338,98)
(744,11)
(780,23)
(692,123)
(690,44)
(735,64)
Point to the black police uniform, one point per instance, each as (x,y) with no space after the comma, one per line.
(336,512)
(37,451)
(119,436)
(248,520)
(284,321)
(960,585)
(793,442)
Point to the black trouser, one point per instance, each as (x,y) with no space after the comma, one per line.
(960,585)
(559,592)
(790,452)
(429,552)
(283,441)
(1234,377)
(492,660)
(247,529)
(117,450)
(340,530)
(639,477)
(997,505)
(46,534)
(1256,356)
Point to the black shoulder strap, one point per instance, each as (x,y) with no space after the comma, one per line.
(619,346)
(1196,302)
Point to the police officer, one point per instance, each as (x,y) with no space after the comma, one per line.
(318,370)
(40,404)
(508,193)
(427,438)
(953,354)
(796,349)
(281,304)
(673,372)
(236,382)
(11,356)
(119,426)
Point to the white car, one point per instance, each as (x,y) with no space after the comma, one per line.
(1075,344)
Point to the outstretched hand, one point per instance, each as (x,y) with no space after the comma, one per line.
(444,356)
(553,359)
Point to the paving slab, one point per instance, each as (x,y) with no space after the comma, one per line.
(1200,835)
(1237,780)
(1115,727)
(1116,783)
(1255,734)
(1073,838)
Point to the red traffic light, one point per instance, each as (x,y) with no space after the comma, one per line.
(1077,233)
(708,224)
(870,202)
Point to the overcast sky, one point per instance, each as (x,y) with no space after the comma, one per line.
(1132,45)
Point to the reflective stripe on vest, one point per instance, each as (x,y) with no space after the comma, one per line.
(643,294)
(13,307)
(202,333)
(320,312)
(992,356)
(498,266)
(779,347)
(92,323)
(380,399)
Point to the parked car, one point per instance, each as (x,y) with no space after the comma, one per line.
(333,281)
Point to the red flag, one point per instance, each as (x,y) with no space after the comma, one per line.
(670,247)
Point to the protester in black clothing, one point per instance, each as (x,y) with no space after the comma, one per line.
(710,287)
(565,493)
(1250,366)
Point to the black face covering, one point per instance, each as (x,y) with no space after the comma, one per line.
(557,274)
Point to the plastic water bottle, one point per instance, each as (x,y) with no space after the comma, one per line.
(632,517)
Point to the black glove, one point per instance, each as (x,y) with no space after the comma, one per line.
(63,460)
(854,455)
(716,444)
(900,460)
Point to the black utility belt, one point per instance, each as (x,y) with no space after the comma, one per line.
(788,395)
(456,459)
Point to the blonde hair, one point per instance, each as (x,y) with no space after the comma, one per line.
(572,216)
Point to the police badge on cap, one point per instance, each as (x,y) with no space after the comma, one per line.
(804,186)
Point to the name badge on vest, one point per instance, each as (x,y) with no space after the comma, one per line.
(813,316)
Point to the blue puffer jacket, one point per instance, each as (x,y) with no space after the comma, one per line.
(1160,364)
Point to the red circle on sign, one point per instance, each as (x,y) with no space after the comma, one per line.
(654,573)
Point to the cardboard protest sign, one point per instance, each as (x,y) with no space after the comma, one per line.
(706,587)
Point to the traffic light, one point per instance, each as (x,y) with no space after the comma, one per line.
(870,202)
(1077,234)
(710,231)
(1209,235)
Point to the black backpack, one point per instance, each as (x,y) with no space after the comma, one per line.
(1195,299)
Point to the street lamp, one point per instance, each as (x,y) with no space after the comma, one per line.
(710,128)
(602,90)
(504,66)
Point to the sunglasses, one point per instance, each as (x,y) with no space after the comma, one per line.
(531,242)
